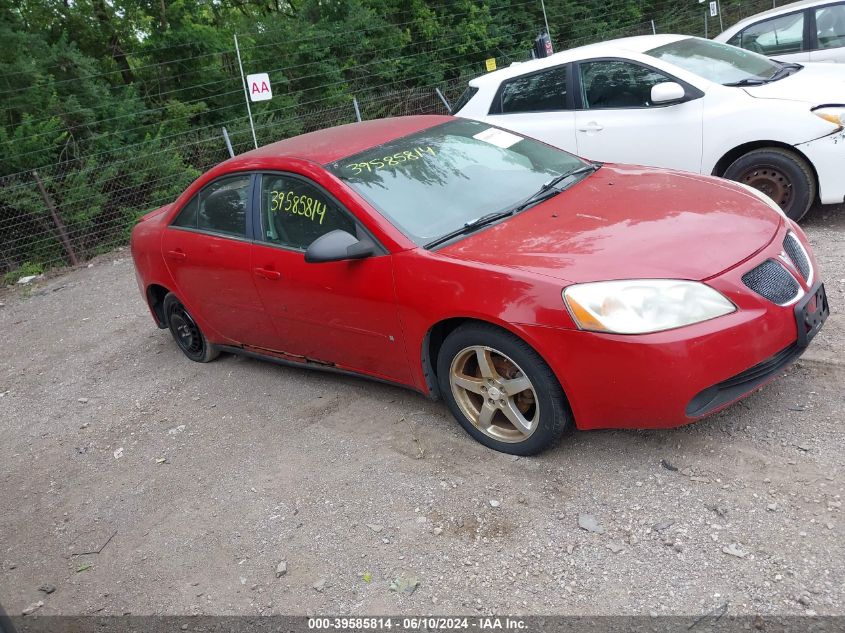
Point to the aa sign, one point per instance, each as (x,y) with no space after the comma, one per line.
(258,86)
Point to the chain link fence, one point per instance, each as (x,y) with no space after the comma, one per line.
(67,212)
(49,217)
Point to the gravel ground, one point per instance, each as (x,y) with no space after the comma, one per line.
(135,481)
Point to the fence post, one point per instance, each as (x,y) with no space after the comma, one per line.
(545,19)
(443,99)
(60,227)
(228,142)
(357,109)
(246,92)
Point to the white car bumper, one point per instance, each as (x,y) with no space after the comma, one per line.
(828,157)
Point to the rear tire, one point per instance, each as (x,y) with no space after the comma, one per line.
(782,175)
(501,391)
(187,334)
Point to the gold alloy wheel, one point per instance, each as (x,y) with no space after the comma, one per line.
(494,394)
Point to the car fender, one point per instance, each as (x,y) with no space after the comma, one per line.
(508,298)
(735,120)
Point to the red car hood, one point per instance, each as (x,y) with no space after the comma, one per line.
(629,222)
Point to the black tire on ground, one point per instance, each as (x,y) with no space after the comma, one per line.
(551,419)
(187,334)
(779,173)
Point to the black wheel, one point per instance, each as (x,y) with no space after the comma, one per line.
(782,175)
(186,332)
(501,391)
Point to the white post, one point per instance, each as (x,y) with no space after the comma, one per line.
(443,99)
(653,28)
(719,9)
(246,92)
(228,143)
(545,19)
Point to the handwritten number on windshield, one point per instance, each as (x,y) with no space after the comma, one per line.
(392,161)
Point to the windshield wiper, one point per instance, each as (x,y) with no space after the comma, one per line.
(548,190)
(784,71)
(471,226)
(748,81)
(551,188)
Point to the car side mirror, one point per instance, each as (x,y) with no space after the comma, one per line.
(337,246)
(667,92)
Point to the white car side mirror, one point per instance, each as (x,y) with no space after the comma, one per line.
(667,92)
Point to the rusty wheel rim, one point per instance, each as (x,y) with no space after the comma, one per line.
(771,181)
(494,394)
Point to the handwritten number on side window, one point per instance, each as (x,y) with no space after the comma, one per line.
(303,205)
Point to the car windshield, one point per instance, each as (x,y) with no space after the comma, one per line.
(717,62)
(433,182)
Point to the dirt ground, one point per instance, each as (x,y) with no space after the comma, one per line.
(135,481)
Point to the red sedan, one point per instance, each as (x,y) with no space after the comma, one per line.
(529,289)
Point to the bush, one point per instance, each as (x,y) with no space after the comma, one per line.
(26,269)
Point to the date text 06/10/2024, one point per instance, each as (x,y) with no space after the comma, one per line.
(416,624)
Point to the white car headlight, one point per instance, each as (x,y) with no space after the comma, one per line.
(639,306)
(774,205)
(832,115)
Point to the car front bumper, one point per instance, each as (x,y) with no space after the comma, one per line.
(827,154)
(672,378)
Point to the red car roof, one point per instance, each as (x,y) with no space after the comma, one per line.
(326,146)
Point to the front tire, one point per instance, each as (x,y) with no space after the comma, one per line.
(501,391)
(187,334)
(782,175)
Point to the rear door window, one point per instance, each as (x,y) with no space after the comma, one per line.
(544,91)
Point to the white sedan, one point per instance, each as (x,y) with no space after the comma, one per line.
(685,103)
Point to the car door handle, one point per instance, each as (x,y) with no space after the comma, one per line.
(591,127)
(267,273)
(178,256)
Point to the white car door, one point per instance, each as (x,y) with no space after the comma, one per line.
(618,123)
(829,44)
(539,105)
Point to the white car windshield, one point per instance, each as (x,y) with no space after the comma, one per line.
(717,62)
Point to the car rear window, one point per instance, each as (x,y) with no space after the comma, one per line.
(465,98)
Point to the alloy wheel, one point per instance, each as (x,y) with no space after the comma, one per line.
(494,393)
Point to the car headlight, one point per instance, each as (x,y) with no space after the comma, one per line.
(639,306)
(832,115)
(762,196)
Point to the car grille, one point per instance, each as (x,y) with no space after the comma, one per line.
(772,281)
(797,254)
